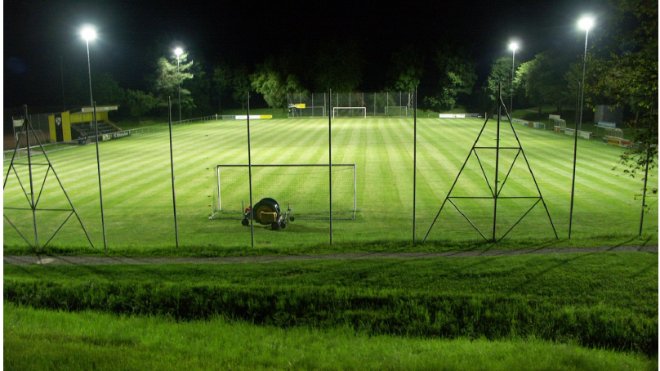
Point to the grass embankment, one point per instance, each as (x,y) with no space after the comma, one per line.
(605,300)
(39,340)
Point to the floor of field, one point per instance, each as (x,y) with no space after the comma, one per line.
(137,185)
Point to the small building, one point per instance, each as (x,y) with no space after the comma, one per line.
(68,126)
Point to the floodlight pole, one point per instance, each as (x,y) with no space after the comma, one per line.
(330,162)
(497,162)
(578,126)
(176,225)
(513,46)
(179,84)
(250,173)
(646,177)
(96,133)
(414,226)
(513,71)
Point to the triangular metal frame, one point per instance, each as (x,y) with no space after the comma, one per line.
(32,194)
(495,190)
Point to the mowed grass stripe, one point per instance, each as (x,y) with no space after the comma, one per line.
(399,153)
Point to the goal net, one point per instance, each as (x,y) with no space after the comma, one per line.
(302,187)
(349,112)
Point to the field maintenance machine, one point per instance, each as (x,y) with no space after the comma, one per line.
(268,212)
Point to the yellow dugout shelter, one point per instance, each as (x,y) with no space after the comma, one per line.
(60,124)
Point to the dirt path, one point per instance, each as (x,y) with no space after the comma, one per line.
(106,260)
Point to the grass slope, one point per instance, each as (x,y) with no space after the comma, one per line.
(138,197)
(39,340)
(600,300)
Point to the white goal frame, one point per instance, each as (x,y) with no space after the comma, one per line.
(217,205)
(364,110)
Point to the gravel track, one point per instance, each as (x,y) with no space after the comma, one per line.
(109,260)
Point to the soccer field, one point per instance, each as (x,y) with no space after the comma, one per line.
(137,193)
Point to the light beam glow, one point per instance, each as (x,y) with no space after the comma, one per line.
(88,33)
(586,22)
(514,46)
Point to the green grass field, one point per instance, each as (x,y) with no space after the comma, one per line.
(138,200)
(38,340)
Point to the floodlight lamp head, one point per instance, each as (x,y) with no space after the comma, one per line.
(178,51)
(88,33)
(586,23)
(514,46)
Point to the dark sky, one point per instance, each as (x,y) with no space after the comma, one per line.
(41,37)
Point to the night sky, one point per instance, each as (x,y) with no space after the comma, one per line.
(41,42)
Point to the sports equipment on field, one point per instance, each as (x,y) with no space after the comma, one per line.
(268,212)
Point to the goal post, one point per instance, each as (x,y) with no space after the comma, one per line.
(301,187)
(349,112)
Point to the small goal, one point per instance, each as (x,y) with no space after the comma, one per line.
(304,188)
(349,112)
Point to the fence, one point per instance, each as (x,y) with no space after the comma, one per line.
(39,126)
(393,104)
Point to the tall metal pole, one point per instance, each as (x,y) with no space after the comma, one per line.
(330,162)
(497,162)
(176,225)
(578,126)
(646,177)
(250,173)
(179,83)
(513,71)
(33,205)
(414,225)
(98,160)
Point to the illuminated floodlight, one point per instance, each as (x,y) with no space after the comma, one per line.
(88,33)
(178,51)
(586,22)
(514,46)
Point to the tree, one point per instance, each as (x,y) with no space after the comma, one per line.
(406,69)
(274,85)
(626,67)
(542,80)
(338,66)
(169,77)
(200,90)
(240,83)
(139,103)
(221,85)
(500,75)
(107,90)
(456,78)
